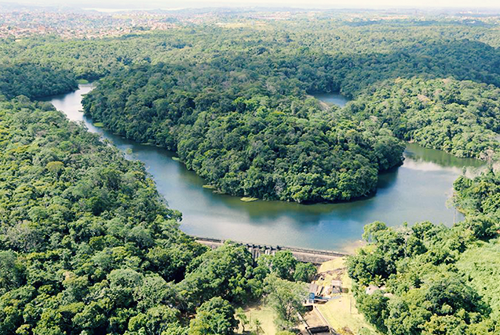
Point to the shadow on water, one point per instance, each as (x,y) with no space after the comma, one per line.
(416,191)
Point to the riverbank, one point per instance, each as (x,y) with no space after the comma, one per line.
(424,181)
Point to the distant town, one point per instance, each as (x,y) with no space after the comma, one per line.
(19,22)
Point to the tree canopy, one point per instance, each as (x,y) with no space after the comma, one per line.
(434,279)
(87,245)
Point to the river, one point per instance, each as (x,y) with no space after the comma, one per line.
(332,98)
(416,191)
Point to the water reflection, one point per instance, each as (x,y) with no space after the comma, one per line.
(332,98)
(416,191)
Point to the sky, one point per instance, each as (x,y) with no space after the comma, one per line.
(155,4)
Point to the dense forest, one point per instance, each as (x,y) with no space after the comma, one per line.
(434,279)
(88,246)
(34,81)
(459,117)
(242,120)
(247,130)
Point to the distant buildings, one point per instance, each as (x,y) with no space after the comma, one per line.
(24,23)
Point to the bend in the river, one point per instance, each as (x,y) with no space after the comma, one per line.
(416,191)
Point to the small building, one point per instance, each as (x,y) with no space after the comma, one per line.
(313,288)
(336,286)
(310,298)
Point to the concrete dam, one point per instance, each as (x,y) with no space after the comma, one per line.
(301,254)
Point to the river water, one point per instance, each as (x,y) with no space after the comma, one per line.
(332,98)
(416,191)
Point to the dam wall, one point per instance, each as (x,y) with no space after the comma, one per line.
(301,254)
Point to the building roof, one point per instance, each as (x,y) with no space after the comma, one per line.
(336,282)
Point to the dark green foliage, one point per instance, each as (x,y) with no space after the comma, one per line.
(86,243)
(241,119)
(374,307)
(433,279)
(34,81)
(304,272)
(479,199)
(254,134)
(87,246)
(284,265)
(232,102)
(214,317)
(460,117)
(225,272)
(11,271)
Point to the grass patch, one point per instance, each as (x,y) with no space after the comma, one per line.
(336,263)
(248,199)
(98,124)
(334,270)
(342,313)
(209,187)
(481,264)
(265,315)
(82,81)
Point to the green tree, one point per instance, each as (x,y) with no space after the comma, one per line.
(286,299)
(282,264)
(214,317)
(243,319)
(304,272)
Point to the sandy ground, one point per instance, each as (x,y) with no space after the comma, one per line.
(341,312)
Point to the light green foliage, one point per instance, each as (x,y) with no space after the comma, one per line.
(242,318)
(286,298)
(481,265)
(437,280)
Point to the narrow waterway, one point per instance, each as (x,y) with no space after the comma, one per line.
(416,191)
(332,98)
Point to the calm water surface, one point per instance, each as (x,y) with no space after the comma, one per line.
(332,98)
(416,191)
